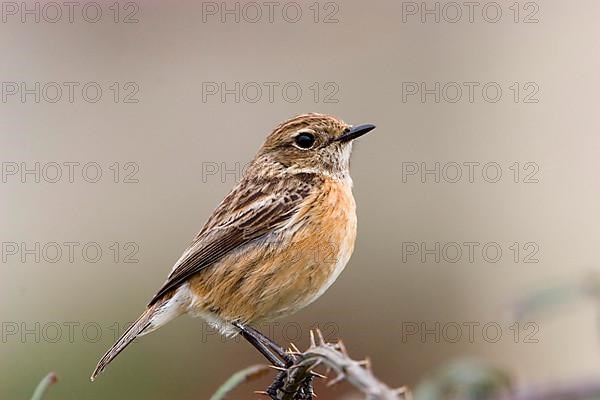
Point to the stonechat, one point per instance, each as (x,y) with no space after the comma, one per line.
(276,242)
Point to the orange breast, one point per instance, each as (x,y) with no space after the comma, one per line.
(288,270)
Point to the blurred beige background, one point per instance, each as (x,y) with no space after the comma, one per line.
(180,141)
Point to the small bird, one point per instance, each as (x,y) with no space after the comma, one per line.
(276,242)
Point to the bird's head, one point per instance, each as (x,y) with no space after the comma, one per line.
(314,143)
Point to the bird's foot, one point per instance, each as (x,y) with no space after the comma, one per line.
(305,392)
(280,358)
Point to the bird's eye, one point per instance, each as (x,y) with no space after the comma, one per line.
(305,140)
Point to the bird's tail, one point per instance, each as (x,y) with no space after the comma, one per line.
(153,318)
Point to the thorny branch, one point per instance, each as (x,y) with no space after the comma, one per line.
(295,381)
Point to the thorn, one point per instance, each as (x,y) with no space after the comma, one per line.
(312,339)
(277,368)
(320,336)
(315,365)
(342,348)
(336,380)
(403,391)
(296,349)
(292,352)
(313,373)
(366,363)
(261,392)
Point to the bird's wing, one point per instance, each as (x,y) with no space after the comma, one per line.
(251,211)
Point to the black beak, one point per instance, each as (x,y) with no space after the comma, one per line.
(354,132)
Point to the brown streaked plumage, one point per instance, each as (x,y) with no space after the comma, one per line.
(276,242)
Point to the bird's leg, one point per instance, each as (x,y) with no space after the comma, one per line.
(271,350)
(257,340)
(280,351)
